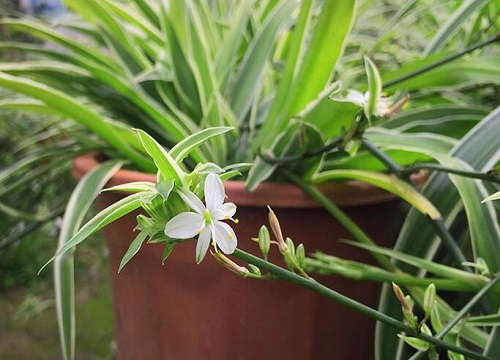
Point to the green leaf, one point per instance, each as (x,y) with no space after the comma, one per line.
(323,51)
(184,147)
(256,58)
(167,166)
(98,11)
(80,201)
(448,120)
(138,186)
(133,248)
(166,253)
(386,182)
(103,218)
(311,62)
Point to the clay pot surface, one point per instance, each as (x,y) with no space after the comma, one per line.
(181,310)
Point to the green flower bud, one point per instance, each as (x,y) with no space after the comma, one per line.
(254,270)
(425,330)
(264,241)
(300,255)
(429,298)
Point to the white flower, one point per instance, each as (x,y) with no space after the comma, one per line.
(206,220)
(381,108)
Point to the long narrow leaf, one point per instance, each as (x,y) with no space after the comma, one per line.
(79,203)
(257,57)
(386,182)
(105,217)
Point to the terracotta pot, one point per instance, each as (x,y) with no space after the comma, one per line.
(181,310)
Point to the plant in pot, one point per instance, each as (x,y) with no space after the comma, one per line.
(226,83)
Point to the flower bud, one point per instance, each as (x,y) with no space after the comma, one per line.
(229,264)
(300,254)
(276,228)
(289,254)
(402,299)
(429,298)
(254,270)
(264,241)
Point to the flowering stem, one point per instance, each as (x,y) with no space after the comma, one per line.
(315,286)
(341,217)
(487,176)
(461,313)
(335,143)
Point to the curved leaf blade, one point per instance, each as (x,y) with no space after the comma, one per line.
(80,201)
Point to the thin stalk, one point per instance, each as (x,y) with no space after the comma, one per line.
(315,286)
(462,312)
(487,176)
(443,61)
(385,159)
(272,160)
(341,217)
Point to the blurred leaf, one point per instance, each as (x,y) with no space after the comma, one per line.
(454,23)
(74,110)
(256,59)
(494,196)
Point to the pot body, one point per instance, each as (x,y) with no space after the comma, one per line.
(181,310)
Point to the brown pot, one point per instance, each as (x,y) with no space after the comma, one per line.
(181,310)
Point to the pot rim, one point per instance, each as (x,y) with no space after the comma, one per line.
(279,195)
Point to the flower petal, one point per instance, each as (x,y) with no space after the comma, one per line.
(192,201)
(184,226)
(203,244)
(224,212)
(356,97)
(214,191)
(224,237)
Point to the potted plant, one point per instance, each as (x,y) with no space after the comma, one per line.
(187,75)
